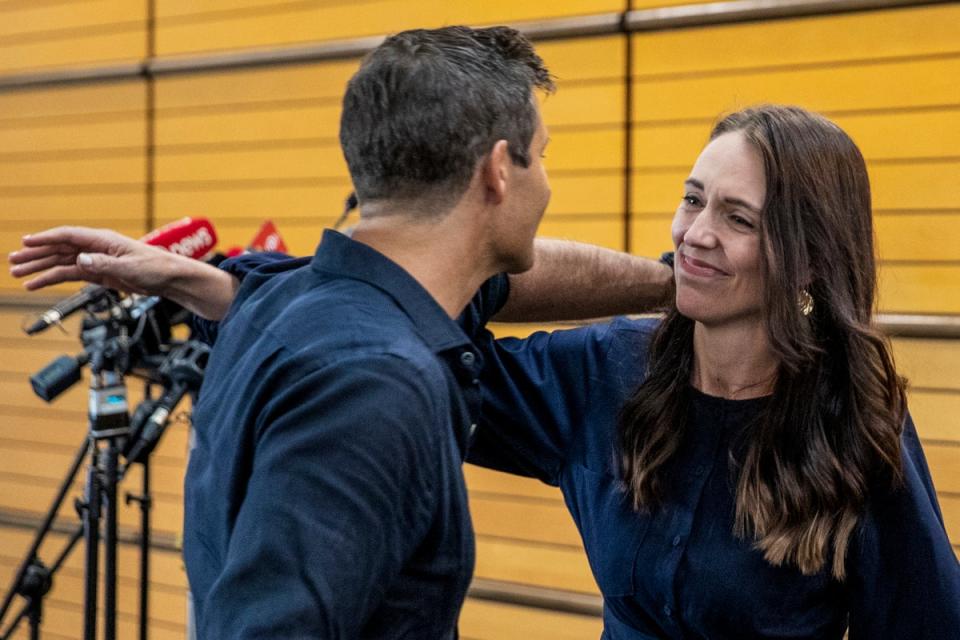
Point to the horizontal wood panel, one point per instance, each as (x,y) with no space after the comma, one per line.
(115,208)
(906,84)
(316,81)
(580,105)
(123,169)
(249,205)
(49,21)
(324,162)
(40,432)
(918,236)
(919,289)
(555,567)
(487,481)
(928,363)
(935,414)
(113,99)
(125,135)
(483,620)
(576,59)
(44,463)
(586,193)
(523,519)
(798,41)
(94,49)
(605,231)
(27,494)
(234,124)
(166,567)
(944,461)
(650,235)
(256,26)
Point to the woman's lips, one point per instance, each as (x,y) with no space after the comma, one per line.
(699,268)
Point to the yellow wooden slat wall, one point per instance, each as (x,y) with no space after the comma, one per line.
(189,27)
(242,146)
(42,35)
(71,155)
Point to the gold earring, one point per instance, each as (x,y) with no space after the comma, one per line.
(805,302)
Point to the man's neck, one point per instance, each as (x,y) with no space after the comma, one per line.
(733,361)
(443,255)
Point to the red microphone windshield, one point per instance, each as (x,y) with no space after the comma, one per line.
(191,237)
(267,239)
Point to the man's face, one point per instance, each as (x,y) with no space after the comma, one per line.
(526,202)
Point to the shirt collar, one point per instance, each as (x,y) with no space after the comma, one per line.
(342,256)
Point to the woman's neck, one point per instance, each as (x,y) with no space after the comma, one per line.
(733,361)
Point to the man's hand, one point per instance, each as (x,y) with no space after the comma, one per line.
(100,256)
(107,258)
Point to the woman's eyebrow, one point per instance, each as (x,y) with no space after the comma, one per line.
(696,184)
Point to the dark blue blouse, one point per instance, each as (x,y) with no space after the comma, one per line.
(550,411)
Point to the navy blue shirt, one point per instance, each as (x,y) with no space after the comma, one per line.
(324,495)
(550,411)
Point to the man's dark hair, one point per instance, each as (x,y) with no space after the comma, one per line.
(426,105)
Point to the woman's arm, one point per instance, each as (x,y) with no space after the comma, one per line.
(904,576)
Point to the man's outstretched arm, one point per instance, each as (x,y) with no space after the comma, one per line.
(577,281)
(105,257)
(569,280)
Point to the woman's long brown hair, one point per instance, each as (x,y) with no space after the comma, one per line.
(831,430)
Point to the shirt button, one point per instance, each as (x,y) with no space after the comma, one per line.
(467,358)
(667,611)
(473,427)
(698,470)
(676,541)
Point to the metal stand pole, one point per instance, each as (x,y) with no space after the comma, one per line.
(91,537)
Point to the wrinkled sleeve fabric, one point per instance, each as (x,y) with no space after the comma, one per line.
(904,579)
(342,488)
(239,267)
(537,394)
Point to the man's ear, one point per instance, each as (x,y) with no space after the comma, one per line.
(496,172)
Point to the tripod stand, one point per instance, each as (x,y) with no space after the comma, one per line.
(110,351)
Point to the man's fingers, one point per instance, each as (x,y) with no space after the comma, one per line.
(78,239)
(27,254)
(53,276)
(40,264)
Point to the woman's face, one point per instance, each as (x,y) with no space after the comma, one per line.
(716,233)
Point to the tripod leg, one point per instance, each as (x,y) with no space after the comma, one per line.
(91,531)
(110,473)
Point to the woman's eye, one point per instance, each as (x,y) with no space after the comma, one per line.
(741,221)
(691,200)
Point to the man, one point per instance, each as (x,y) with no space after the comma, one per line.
(324,497)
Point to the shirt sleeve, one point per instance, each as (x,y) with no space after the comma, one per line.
(340,495)
(904,575)
(239,267)
(537,394)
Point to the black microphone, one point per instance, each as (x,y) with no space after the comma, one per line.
(183,369)
(90,294)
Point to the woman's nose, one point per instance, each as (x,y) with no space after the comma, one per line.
(701,232)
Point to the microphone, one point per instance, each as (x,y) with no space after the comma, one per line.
(183,370)
(191,237)
(267,239)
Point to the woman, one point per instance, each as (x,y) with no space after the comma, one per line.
(746,468)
